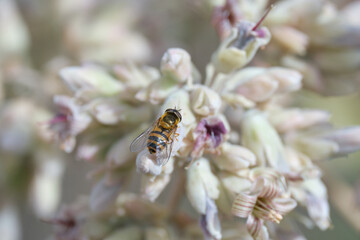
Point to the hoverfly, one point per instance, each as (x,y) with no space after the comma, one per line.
(159,137)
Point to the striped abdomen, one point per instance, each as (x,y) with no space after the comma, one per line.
(157,140)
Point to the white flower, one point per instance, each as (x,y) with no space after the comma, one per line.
(205,101)
(68,122)
(239,48)
(176,64)
(201,184)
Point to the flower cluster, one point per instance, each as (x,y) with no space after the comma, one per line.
(313,37)
(244,160)
(241,150)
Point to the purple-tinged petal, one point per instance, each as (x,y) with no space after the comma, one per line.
(225,17)
(209,133)
(243,205)
(318,210)
(209,222)
(348,139)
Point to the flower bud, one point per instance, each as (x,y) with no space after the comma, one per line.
(201,184)
(263,140)
(176,64)
(291,39)
(288,80)
(90,81)
(205,101)
(259,88)
(111,112)
(157,91)
(234,184)
(134,77)
(153,188)
(234,157)
(294,119)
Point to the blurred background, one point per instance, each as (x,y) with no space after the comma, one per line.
(39,37)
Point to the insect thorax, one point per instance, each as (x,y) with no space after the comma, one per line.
(169,121)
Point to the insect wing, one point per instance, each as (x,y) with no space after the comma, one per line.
(140,141)
(163,156)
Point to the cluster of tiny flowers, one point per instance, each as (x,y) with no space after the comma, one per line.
(242,151)
(313,37)
(31,168)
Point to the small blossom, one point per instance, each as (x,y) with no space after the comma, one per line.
(240,46)
(312,194)
(325,144)
(176,64)
(208,134)
(90,81)
(263,140)
(205,101)
(152,188)
(225,17)
(259,88)
(111,112)
(264,202)
(234,184)
(289,80)
(69,122)
(134,77)
(285,120)
(201,184)
(234,157)
(291,39)
(157,91)
(260,84)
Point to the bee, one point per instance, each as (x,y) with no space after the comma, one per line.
(159,137)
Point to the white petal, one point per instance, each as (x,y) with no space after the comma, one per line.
(243,205)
